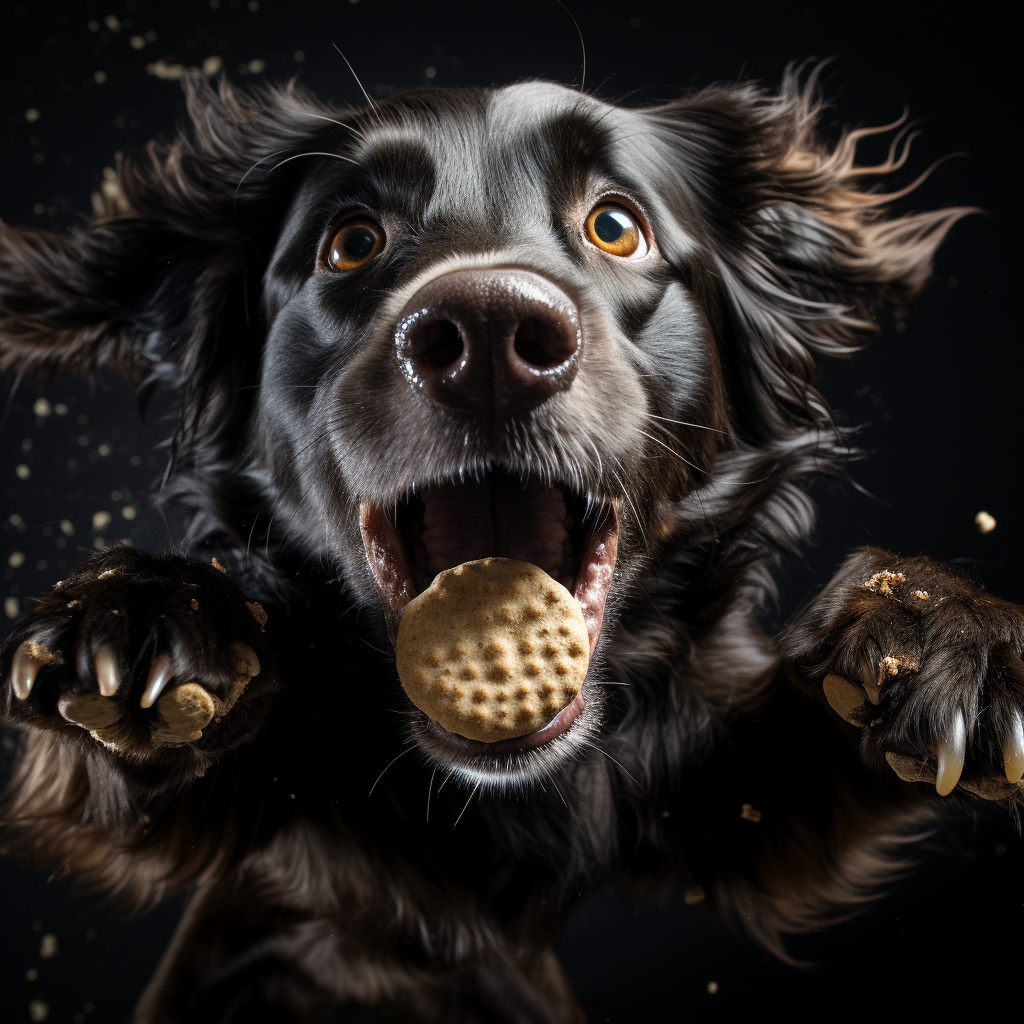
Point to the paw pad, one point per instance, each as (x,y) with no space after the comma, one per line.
(944,769)
(182,712)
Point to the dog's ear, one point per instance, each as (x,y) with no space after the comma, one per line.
(800,252)
(161,266)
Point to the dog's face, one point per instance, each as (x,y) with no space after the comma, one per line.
(479,344)
(466,323)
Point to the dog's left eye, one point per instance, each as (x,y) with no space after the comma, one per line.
(354,243)
(616,231)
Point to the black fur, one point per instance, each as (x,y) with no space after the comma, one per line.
(692,417)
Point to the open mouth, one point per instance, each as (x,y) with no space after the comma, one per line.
(572,538)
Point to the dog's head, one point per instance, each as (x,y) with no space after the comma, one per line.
(460,323)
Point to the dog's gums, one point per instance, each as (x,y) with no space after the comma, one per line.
(455,338)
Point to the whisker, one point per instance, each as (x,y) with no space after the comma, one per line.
(683,423)
(373,106)
(468,802)
(594,746)
(386,767)
(666,447)
(335,156)
(636,515)
(430,788)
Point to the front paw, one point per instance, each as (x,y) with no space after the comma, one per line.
(142,653)
(929,667)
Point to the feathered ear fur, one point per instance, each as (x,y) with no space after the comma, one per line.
(161,265)
(800,251)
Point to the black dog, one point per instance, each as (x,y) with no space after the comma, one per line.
(517,322)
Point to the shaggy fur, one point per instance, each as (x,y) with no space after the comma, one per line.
(692,417)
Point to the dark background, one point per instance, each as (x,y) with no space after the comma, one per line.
(938,395)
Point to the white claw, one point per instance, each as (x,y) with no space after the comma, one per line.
(106,672)
(1013,750)
(160,672)
(950,753)
(24,671)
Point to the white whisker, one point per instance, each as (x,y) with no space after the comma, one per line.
(386,767)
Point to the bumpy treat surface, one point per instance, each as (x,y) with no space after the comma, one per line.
(493,649)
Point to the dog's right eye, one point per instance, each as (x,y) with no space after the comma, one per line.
(354,243)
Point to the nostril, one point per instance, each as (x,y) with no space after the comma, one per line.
(437,344)
(543,344)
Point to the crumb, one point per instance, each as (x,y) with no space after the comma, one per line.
(195,604)
(41,654)
(985,522)
(889,667)
(883,582)
(921,595)
(749,813)
(106,574)
(218,566)
(712,987)
(257,613)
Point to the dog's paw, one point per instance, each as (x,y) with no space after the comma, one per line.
(930,667)
(142,652)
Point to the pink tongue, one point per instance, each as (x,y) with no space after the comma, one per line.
(499,517)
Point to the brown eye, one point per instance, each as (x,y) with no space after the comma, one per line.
(616,231)
(354,243)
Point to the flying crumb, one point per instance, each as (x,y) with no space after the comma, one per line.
(985,522)
(749,813)
(100,521)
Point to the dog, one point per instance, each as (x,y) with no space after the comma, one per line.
(455,325)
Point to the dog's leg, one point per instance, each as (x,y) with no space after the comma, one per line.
(925,668)
(901,697)
(151,658)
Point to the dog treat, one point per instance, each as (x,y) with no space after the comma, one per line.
(493,649)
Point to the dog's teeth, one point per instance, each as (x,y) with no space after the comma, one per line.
(107,677)
(160,671)
(246,662)
(1013,750)
(950,752)
(24,671)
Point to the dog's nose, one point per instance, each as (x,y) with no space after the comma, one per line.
(492,342)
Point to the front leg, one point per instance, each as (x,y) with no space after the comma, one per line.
(158,661)
(926,665)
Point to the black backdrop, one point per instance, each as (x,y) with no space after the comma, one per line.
(938,395)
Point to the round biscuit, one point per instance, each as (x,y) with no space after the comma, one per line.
(493,649)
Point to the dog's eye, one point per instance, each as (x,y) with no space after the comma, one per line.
(616,231)
(354,243)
